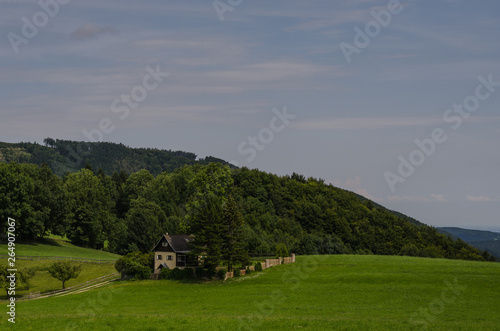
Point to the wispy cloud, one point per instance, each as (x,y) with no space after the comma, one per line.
(432,197)
(350,123)
(364,122)
(481,198)
(396,56)
(90,31)
(438,197)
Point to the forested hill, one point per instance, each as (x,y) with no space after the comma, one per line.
(65,156)
(130,212)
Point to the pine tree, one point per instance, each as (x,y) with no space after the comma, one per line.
(206,212)
(234,246)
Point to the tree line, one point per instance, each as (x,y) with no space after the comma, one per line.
(64,156)
(230,212)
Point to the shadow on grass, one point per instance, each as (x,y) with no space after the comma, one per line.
(43,241)
(51,242)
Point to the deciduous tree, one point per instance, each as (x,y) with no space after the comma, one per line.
(64,271)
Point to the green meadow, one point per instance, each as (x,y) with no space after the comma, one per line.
(339,292)
(55,246)
(43,282)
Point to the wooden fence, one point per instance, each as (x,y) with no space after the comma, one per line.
(267,264)
(62,258)
(33,295)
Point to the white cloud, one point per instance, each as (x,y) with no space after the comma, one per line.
(480,198)
(438,197)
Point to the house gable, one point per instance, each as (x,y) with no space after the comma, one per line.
(163,246)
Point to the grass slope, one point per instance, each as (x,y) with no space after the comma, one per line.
(341,292)
(58,247)
(43,282)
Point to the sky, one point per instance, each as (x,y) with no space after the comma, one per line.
(394,100)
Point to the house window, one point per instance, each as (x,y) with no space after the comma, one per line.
(181,258)
(164,244)
(159,257)
(169,257)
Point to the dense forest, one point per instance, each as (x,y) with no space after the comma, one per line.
(63,156)
(125,212)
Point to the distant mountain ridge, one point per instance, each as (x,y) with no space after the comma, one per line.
(484,240)
(64,156)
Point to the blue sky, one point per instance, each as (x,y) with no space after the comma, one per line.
(268,85)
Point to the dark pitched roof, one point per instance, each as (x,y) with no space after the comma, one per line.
(178,242)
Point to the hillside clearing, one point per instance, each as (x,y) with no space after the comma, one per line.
(43,282)
(58,247)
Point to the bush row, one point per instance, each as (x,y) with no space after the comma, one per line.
(202,273)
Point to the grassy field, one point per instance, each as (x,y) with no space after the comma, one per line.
(43,282)
(317,293)
(55,246)
(58,247)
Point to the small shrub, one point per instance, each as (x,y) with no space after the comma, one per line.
(248,271)
(281,250)
(205,273)
(134,265)
(187,273)
(176,274)
(258,266)
(165,273)
(221,273)
(236,272)
(198,272)
(142,273)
